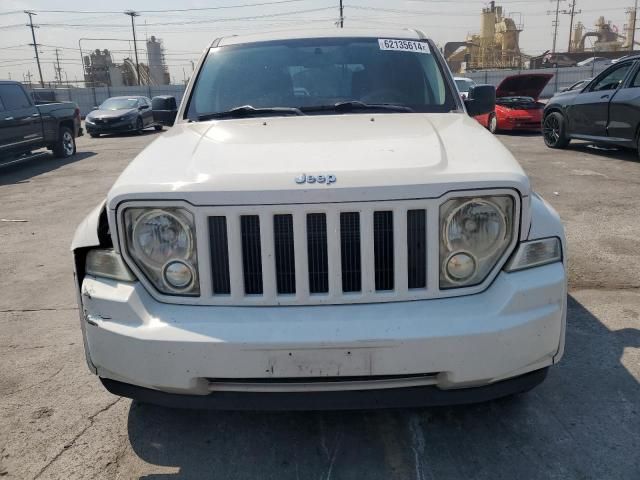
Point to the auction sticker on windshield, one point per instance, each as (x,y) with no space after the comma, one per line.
(403,45)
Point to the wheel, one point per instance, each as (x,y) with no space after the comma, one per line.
(139,126)
(553,130)
(158,128)
(94,135)
(66,144)
(492,124)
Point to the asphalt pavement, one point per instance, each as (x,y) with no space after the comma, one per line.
(56,420)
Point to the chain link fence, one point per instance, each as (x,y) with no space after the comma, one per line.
(89,98)
(562,77)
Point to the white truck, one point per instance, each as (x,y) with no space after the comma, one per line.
(324,227)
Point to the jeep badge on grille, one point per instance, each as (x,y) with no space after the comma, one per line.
(326,179)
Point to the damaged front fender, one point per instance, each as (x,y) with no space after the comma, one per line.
(89,234)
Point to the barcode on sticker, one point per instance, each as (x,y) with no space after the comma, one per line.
(403,45)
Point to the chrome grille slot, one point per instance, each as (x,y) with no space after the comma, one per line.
(383,250)
(284,254)
(350,252)
(417,248)
(251,254)
(317,253)
(219,248)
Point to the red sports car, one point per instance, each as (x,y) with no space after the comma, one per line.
(517,105)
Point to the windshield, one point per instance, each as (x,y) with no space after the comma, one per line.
(308,73)
(119,104)
(464,85)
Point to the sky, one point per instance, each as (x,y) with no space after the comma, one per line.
(185,34)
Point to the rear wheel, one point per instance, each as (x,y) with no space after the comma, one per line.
(492,124)
(66,144)
(553,130)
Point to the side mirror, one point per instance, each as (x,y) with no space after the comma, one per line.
(143,107)
(165,110)
(481,100)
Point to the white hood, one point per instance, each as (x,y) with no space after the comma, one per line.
(373,157)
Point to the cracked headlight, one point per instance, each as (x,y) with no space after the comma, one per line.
(162,244)
(474,235)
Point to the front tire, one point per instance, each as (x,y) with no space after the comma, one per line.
(65,146)
(492,124)
(94,135)
(554,131)
(158,128)
(139,126)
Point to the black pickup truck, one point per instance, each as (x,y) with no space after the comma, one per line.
(25,126)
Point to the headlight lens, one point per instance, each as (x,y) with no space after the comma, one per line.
(162,244)
(475,233)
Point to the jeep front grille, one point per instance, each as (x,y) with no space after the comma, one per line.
(334,255)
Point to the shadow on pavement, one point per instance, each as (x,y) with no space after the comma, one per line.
(606,152)
(35,165)
(582,423)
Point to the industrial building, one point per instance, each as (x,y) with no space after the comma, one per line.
(496,46)
(101,70)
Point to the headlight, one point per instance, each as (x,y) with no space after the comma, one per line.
(162,244)
(474,234)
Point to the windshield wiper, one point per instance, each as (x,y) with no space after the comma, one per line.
(249,110)
(353,105)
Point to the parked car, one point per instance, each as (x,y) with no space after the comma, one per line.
(557,60)
(25,126)
(579,85)
(367,244)
(595,62)
(464,85)
(517,105)
(606,111)
(121,114)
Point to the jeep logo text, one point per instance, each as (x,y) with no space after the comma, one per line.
(326,179)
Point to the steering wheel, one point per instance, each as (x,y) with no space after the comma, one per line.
(383,95)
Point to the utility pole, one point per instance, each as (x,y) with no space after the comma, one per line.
(58,69)
(572,11)
(35,45)
(134,14)
(633,27)
(555,24)
(341,15)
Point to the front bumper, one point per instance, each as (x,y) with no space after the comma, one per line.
(516,326)
(116,127)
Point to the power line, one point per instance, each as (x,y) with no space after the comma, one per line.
(173,10)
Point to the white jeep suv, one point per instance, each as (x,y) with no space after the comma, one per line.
(324,227)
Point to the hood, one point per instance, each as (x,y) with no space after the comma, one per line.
(111,113)
(526,85)
(372,157)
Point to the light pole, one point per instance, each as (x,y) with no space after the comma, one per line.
(134,14)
